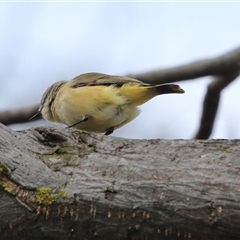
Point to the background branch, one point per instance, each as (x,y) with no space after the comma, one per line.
(211,102)
(224,64)
(19,115)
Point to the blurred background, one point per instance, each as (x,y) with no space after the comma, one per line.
(41,43)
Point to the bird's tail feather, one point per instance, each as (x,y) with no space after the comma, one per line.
(139,94)
(168,88)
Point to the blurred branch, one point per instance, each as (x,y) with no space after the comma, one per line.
(20,115)
(211,102)
(224,64)
(225,68)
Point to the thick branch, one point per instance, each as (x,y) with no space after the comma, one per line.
(129,189)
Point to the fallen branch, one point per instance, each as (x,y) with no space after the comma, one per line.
(69,184)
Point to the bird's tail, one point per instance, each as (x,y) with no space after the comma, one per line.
(139,94)
(168,88)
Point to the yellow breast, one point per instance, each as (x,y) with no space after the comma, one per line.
(106,107)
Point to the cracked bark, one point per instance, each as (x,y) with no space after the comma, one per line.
(117,188)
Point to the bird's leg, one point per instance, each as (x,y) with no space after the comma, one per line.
(84,119)
(109,131)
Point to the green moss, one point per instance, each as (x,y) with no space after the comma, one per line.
(4,170)
(62,193)
(44,196)
(7,187)
(61,150)
(58,150)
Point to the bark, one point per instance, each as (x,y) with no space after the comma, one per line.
(116,188)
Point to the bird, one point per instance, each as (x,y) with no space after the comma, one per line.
(97,102)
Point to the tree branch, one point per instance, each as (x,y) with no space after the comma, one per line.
(224,64)
(20,115)
(68,184)
(211,102)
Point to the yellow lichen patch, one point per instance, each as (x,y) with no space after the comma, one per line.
(7,187)
(44,196)
(1,167)
(62,193)
(4,170)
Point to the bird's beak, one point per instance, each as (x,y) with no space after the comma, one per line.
(37,115)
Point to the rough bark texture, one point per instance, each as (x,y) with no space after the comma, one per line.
(116,188)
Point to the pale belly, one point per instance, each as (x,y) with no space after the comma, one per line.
(110,116)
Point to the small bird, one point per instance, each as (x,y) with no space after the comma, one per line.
(97,102)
